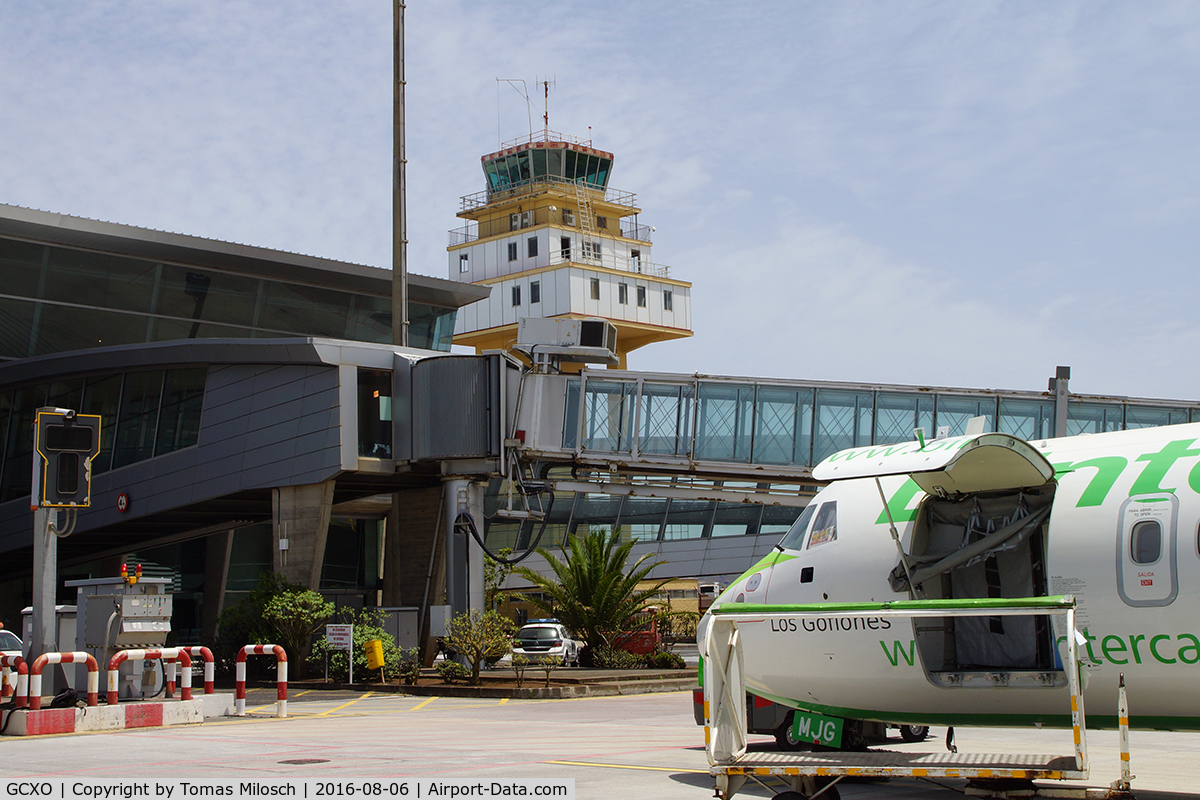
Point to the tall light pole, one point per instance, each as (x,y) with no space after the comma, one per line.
(399,164)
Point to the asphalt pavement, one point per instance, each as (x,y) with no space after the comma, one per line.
(638,746)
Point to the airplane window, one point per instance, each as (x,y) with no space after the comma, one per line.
(1145,542)
(795,535)
(825,526)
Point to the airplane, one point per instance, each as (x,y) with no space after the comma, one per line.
(1110,518)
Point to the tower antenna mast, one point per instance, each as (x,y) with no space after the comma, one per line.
(524,92)
(546,116)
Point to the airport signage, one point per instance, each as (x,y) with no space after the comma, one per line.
(339,637)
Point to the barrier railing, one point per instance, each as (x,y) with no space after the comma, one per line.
(166,654)
(39,663)
(15,665)
(209,665)
(280,677)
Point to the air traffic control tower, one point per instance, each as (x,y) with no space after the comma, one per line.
(555,241)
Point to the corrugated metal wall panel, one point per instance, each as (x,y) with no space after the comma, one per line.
(456,408)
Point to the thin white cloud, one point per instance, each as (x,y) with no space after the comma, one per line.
(919,192)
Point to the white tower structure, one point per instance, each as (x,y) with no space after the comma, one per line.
(553,240)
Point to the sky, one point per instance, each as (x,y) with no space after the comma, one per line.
(924,193)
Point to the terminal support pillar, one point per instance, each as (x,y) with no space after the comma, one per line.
(464,556)
(217,548)
(1058,385)
(301,523)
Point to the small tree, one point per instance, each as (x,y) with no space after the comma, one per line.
(295,615)
(548,665)
(677,626)
(479,638)
(245,622)
(519,665)
(495,573)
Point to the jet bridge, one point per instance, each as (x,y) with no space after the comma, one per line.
(663,435)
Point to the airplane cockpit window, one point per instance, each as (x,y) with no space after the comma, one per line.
(1145,543)
(795,535)
(825,526)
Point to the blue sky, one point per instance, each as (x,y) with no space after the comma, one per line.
(961,194)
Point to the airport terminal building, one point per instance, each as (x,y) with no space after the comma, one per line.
(241,390)
(255,417)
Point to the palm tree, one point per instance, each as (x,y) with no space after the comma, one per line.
(591,592)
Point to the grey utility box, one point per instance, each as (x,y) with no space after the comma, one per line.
(113,615)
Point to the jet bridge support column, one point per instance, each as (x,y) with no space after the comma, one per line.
(464,557)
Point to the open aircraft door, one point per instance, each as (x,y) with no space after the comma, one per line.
(979,532)
(986,462)
(1147,573)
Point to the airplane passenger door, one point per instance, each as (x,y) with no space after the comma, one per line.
(1147,547)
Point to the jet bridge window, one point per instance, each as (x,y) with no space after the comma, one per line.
(1145,542)
(825,526)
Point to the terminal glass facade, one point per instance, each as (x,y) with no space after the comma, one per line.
(56,299)
(142,415)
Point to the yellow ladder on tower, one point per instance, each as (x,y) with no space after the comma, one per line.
(587,222)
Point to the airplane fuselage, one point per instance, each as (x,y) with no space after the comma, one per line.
(1118,527)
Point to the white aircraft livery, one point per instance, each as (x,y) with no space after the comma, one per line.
(1112,519)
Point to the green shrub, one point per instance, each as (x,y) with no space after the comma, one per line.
(410,666)
(452,671)
(608,657)
(665,660)
(366,627)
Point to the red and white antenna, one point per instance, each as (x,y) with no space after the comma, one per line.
(546,116)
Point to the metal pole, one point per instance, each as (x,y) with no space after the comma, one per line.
(1124,782)
(399,164)
(45,587)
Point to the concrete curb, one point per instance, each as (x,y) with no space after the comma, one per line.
(599,689)
(106,718)
(591,683)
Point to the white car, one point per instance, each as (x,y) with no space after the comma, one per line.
(546,638)
(10,643)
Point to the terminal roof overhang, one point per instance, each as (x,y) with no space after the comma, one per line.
(160,246)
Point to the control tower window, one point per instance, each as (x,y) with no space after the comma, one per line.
(564,246)
(623,293)
(535,292)
(464,262)
(667,301)
(512,251)
(641,296)
(601,222)
(532,244)
(568,217)
(595,288)
(516,295)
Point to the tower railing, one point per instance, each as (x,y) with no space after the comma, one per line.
(546,136)
(589,258)
(474,231)
(478,200)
